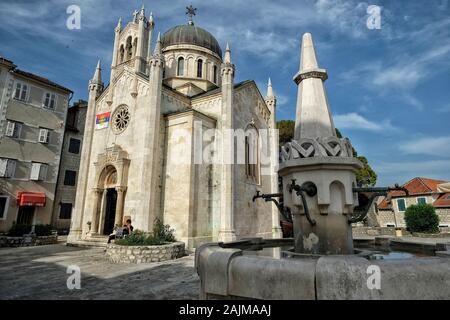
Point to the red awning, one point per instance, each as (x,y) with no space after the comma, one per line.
(36,199)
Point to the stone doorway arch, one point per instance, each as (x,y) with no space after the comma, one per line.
(111,170)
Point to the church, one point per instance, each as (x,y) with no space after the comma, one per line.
(174,137)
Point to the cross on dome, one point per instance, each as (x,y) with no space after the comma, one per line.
(190,11)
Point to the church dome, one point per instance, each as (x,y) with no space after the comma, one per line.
(191,34)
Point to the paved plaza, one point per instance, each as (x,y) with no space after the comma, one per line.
(41,273)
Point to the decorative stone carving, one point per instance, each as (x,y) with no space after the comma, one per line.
(319,147)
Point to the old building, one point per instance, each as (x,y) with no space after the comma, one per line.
(69,165)
(391,209)
(157,141)
(32,115)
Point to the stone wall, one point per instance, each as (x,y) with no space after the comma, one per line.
(374,231)
(26,241)
(386,217)
(144,254)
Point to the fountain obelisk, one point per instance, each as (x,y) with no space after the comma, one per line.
(318,166)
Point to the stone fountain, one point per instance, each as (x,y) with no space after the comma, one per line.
(318,171)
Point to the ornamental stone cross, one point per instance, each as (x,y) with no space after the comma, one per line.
(190,11)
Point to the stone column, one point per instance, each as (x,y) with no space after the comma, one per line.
(227,232)
(119,205)
(96,212)
(95,89)
(271,102)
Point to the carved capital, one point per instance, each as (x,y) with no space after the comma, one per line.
(121,189)
(97,191)
(157,61)
(317,73)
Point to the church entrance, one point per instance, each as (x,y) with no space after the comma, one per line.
(110,211)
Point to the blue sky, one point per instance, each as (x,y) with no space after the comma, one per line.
(389,89)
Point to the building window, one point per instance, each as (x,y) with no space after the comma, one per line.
(69,178)
(71,119)
(65,211)
(38,171)
(13,129)
(421,200)
(199,68)
(3,207)
(129,48)
(252,154)
(135,46)
(21,91)
(215,74)
(390,225)
(49,101)
(401,205)
(180,70)
(121,54)
(44,135)
(74,146)
(7,168)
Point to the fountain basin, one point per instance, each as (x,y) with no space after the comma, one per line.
(228,273)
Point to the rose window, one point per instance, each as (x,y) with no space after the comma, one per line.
(120,119)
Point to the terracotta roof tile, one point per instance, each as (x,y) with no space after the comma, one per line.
(442,201)
(415,186)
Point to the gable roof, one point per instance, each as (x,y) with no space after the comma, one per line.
(443,200)
(416,186)
(41,79)
(219,89)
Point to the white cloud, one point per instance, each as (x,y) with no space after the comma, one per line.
(355,121)
(434,146)
(412,58)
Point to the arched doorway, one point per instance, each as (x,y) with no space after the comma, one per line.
(109,191)
(110,199)
(110,211)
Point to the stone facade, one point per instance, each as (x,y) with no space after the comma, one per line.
(168,160)
(70,163)
(390,216)
(32,117)
(144,254)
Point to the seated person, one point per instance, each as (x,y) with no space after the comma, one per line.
(121,232)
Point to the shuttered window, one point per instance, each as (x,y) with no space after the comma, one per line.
(65,211)
(401,204)
(70,178)
(74,146)
(21,92)
(49,101)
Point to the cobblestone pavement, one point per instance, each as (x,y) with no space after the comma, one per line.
(41,273)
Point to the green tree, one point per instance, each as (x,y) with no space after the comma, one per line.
(365,176)
(286,130)
(422,218)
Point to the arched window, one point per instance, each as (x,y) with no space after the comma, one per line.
(129,48)
(135,46)
(215,74)
(252,153)
(180,70)
(200,68)
(121,54)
